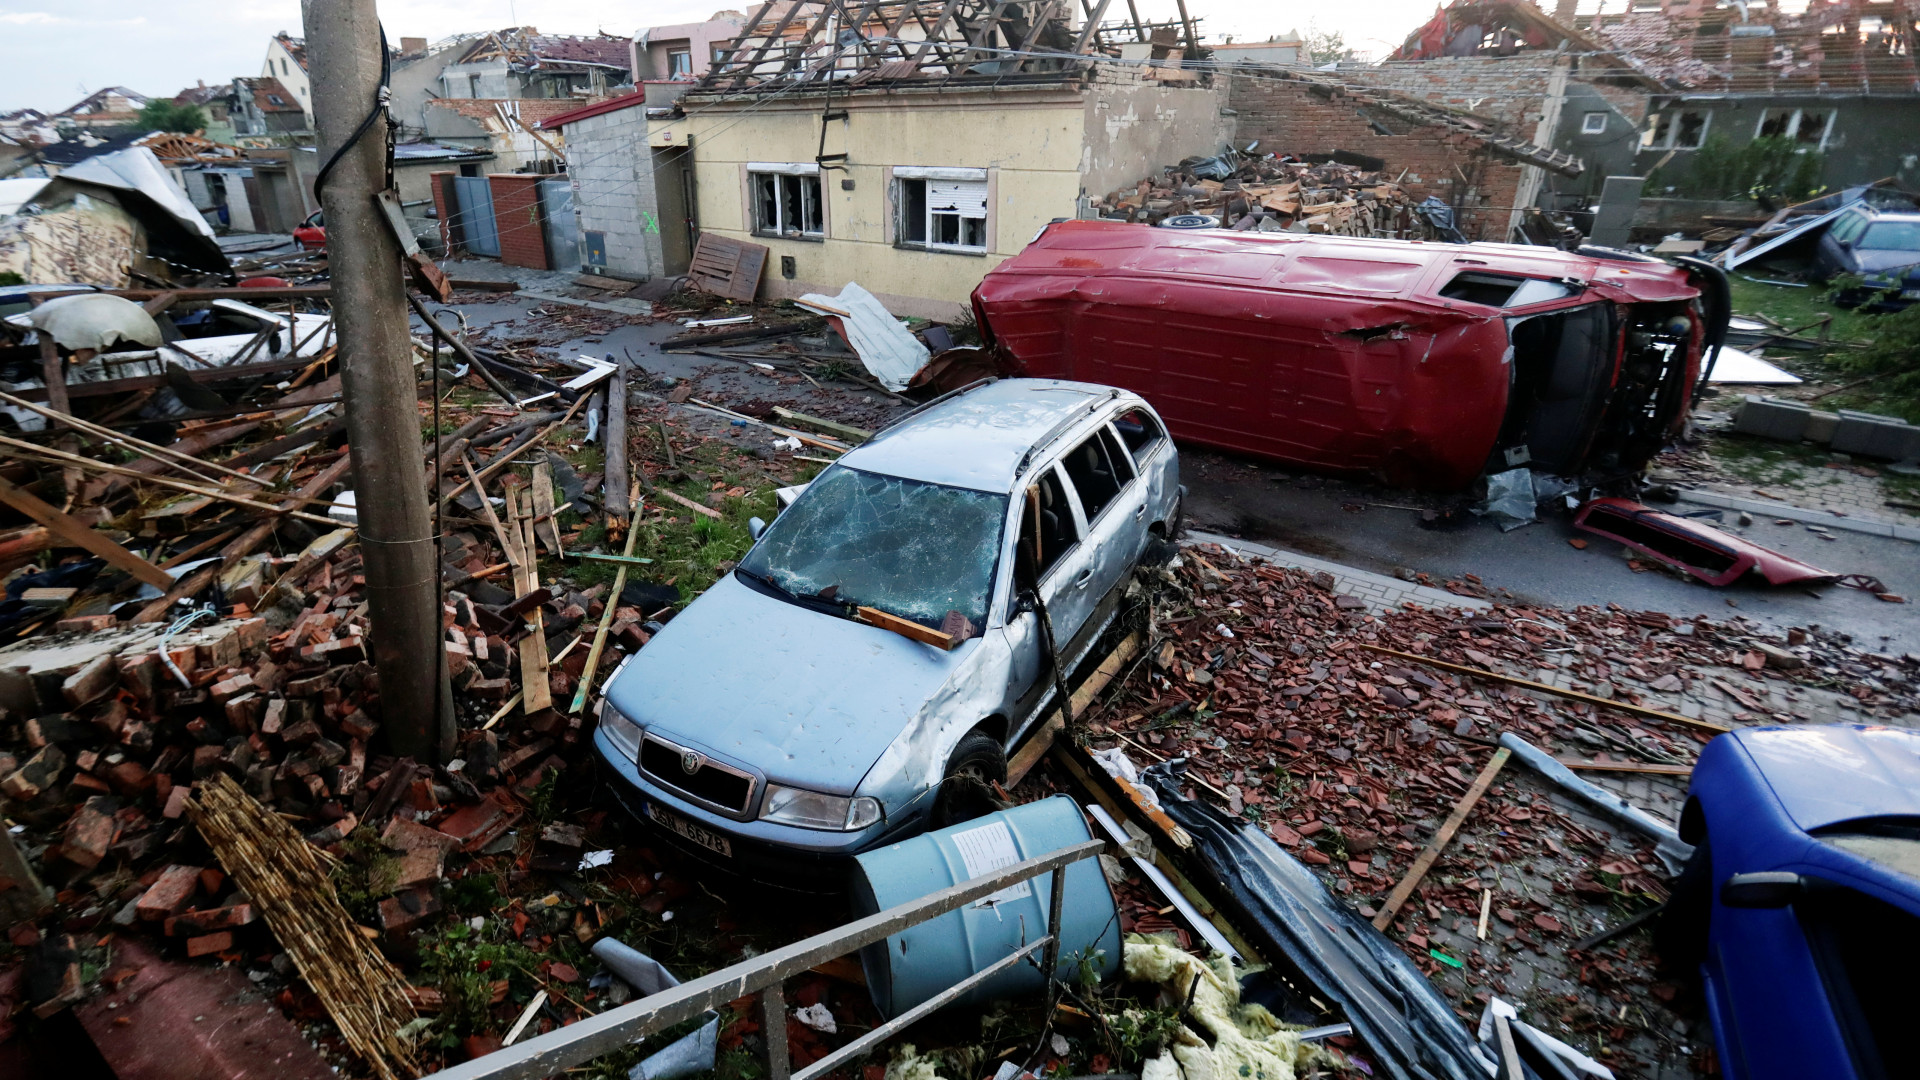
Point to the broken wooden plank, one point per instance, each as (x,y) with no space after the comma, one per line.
(1655,768)
(73,531)
(606,622)
(544,527)
(1440,840)
(616,442)
(535,691)
(830,427)
(690,504)
(906,628)
(1036,746)
(1574,695)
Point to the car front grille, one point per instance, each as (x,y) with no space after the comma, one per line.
(711,784)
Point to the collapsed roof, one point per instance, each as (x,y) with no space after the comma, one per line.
(957,41)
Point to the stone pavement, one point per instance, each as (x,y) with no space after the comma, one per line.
(1661,1034)
(1381,592)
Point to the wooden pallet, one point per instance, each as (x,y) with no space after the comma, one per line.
(727,267)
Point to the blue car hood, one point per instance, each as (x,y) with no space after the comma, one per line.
(803,697)
(1825,775)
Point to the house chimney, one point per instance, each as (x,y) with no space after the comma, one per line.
(412,46)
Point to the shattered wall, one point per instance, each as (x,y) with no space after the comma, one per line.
(1514,89)
(88,240)
(1136,126)
(1290,117)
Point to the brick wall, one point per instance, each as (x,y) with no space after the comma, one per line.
(1288,118)
(516,213)
(443,205)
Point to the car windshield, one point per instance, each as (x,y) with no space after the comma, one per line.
(914,549)
(1892,236)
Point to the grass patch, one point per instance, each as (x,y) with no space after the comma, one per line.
(1763,461)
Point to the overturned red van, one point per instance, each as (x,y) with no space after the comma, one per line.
(1421,364)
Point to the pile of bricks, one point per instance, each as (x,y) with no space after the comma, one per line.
(105,731)
(1271,194)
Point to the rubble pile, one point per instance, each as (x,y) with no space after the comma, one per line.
(1270,194)
(1270,684)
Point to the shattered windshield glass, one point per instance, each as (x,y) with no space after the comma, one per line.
(910,548)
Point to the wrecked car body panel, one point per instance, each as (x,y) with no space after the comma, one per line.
(1713,556)
(1410,1029)
(1415,363)
(769,683)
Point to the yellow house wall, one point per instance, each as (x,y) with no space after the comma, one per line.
(1030,143)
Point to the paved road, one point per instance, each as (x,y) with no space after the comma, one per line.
(1311,515)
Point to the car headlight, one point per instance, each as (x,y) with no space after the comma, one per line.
(813,810)
(623,733)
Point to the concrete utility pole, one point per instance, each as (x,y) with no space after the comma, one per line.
(383,421)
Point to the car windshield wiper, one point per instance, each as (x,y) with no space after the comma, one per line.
(831,607)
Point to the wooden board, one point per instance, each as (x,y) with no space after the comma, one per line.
(1038,743)
(906,628)
(72,531)
(1440,839)
(1574,695)
(727,267)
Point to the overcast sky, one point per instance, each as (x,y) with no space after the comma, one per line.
(58,51)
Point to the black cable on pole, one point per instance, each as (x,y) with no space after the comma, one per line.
(380,100)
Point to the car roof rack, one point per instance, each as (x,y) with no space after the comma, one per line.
(918,409)
(1067,423)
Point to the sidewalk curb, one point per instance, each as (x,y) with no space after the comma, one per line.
(1869,526)
(641,307)
(1382,593)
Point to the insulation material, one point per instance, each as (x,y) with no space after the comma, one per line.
(86,240)
(890,352)
(1241,1039)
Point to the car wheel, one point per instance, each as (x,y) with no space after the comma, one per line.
(966,793)
(1680,934)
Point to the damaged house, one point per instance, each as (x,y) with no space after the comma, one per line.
(914,149)
(494,90)
(110,220)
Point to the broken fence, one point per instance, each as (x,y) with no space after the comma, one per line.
(565,1047)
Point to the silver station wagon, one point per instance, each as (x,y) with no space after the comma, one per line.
(860,676)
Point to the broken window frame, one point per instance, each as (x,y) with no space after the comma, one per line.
(1794,125)
(923,223)
(1140,445)
(796,191)
(1665,128)
(680,63)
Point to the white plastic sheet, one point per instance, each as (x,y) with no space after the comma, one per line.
(890,352)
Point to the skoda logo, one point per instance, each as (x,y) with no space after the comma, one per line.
(691,761)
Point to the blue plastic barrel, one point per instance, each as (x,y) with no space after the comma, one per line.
(918,963)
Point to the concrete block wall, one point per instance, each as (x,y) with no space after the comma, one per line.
(611,168)
(1288,118)
(516,213)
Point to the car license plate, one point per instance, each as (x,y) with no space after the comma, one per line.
(701,835)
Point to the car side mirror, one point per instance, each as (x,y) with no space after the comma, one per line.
(755,527)
(1764,889)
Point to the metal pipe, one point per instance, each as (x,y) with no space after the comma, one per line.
(565,1047)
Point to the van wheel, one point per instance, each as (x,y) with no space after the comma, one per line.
(966,793)
(1680,931)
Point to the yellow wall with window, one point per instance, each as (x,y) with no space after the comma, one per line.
(1027,143)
